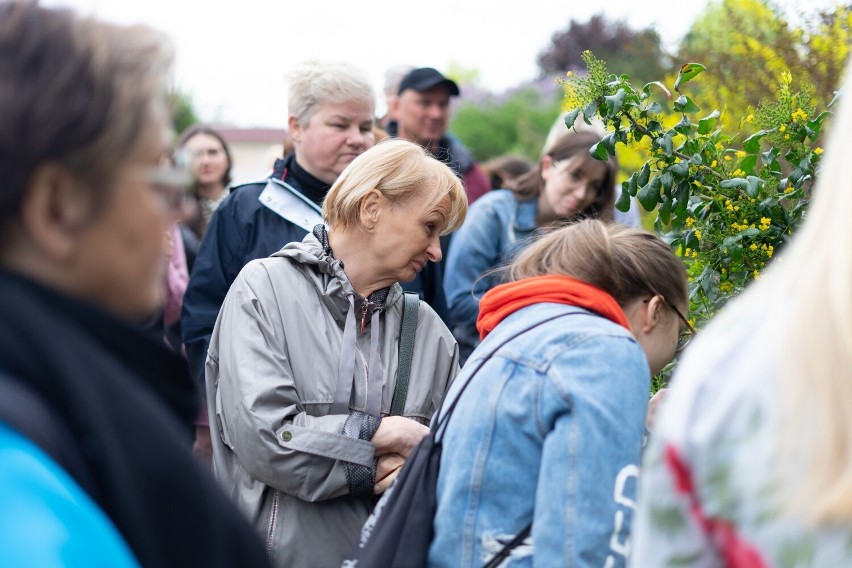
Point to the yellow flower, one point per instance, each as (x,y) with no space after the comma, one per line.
(753,246)
(756,274)
(724,271)
(738,173)
(782,128)
(687,252)
(569,74)
(818,151)
(740,154)
(786,137)
(697,234)
(690,221)
(727,158)
(750,118)
(790,189)
(736,207)
(714,162)
(719,146)
(799,114)
(696,183)
(691,322)
(726,287)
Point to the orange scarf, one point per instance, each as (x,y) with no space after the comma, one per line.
(505,299)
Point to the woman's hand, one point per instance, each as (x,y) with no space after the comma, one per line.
(398,435)
(386,471)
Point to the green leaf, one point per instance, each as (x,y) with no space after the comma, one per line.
(752,143)
(754,184)
(612,104)
(734,183)
(688,72)
(571,117)
(748,163)
(599,152)
(623,201)
(654,108)
(684,126)
(685,104)
(679,170)
(647,88)
(749,233)
(706,124)
(644,175)
(589,111)
(665,211)
(649,195)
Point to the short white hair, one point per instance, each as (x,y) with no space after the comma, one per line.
(315,82)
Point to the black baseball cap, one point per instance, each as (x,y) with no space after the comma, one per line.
(424,78)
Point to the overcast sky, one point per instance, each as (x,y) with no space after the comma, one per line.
(232,56)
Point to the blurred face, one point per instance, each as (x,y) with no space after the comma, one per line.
(570,186)
(120,254)
(423,117)
(335,135)
(407,236)
(208,159)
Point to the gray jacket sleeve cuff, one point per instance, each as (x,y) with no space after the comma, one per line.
(360,479)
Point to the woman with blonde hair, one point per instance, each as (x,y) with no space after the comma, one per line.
(751,460)
(542,447)
(304,359)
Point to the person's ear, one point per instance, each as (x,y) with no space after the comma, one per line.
(295,129)
(652,314)
(54,209)
(547,164)
(371,209)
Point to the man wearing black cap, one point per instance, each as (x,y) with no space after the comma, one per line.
(422,109)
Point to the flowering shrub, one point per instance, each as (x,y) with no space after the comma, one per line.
(726,202)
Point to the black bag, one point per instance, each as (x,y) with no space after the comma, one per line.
(399,531)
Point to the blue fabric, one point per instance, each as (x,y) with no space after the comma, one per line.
(496,229)
(46,519)
(549,431)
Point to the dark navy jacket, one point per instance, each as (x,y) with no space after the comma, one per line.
(254,221)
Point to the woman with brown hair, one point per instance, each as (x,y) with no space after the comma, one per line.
(550,412)
(567,185)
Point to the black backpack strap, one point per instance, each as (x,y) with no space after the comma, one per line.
(25,412)
(504,552)
(407,333)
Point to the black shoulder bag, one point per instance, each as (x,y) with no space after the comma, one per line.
(399,531)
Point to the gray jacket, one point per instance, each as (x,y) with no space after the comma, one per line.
(302,474)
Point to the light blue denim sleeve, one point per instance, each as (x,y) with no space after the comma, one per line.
(475,250)
(586,492)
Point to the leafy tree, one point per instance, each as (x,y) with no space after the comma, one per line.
(183,110)
(637,53)
(516,123)
(726,200)
(749,44)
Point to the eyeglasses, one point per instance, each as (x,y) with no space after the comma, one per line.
(169,180)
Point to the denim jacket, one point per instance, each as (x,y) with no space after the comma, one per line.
(496,229)
(549,431)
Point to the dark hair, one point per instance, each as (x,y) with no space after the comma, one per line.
(195,130)
(570,144)
(75,92)
(502,169)
(624,262)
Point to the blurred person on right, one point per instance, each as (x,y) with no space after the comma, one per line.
(551,406)
(750,462)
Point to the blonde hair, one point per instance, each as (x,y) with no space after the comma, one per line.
(624,262)
(314,83)
(399,170)
(815,391)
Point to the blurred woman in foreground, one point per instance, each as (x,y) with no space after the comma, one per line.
(95,416)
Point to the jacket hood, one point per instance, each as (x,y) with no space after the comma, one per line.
(326,273)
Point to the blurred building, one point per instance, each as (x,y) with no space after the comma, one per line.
(253,150)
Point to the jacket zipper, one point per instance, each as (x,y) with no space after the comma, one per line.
(273,522)
(364,309)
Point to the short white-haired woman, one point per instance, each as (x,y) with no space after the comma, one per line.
(331,109)
(751,460)
(302,362)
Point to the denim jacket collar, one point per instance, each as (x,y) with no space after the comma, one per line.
(525,214)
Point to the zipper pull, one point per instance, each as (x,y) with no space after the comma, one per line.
(364,308)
